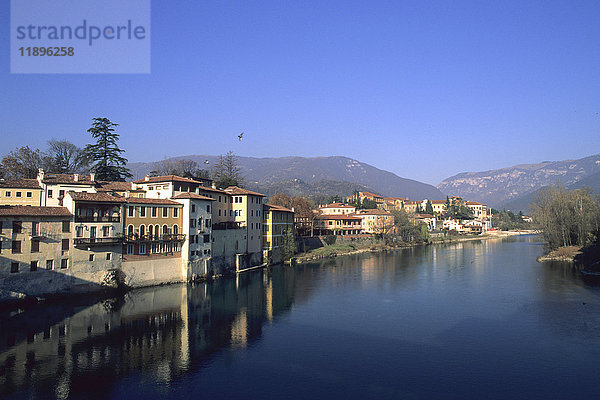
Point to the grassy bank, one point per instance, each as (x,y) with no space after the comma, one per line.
(335,250)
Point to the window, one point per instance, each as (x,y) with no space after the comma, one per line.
(64,263)
(61,193)
(29,195)
(17,227)
(91,257)
(208,223)
(208,208)
(108,256)
(14,267)
(65,245)
(49,265)
(18,194)
(206,238)
(219,199)
(106,231)
(165,212)
(175,212)
(0,226)
(35,245)
(142,248)
(193,208)
(16,246)
(6,194)
(35,228)
(66,226)
(142,211)
(154,212)
(219,212)
(130,211)
(129,249)
(79,231)
(49,193)
(192,223)
(130,231)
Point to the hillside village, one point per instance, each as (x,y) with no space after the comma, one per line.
(71,232)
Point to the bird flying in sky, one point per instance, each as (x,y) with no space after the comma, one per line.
(241,135)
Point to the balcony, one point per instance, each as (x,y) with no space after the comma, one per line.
(85,218)
(221,226)
(177,237)
(98,241)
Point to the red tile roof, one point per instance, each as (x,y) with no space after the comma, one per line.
(372,212)
(20,184)
(137,200)
(276,208)
(96,197)
(192,196)
(235,190)
(212,190)
(474,203)
(34,211)
(369,194)
(68,178)
(107,186)
(337,216)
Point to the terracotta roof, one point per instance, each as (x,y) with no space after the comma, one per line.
(337,205)
(337,216)
(474,203)
(438,201)
(107,186)
(20,184)
(167,178)
(277,208)
(235,190)
(369,194)
(212,190)
(96,197)
(372,212)
(192,196)
(424,215)
(34,211)
(68,178)
(137,200)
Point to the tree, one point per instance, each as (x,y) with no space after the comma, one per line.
(64,157)
(22,163)
(183,167)
(567,218)
(429,208)
(105,155)
(227,171)
(369,204)
(281,199)
(288,246)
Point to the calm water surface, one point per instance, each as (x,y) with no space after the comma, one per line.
(469,320)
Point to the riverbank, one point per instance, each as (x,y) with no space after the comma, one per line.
(336,250)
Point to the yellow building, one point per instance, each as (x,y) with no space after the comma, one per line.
(375,221)
(24,192)
(277,222)
(479,210)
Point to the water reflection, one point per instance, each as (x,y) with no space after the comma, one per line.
(82,349)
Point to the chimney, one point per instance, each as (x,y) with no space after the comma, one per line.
(40,175)
(213,185)
(147,177)
(76,177)
(92,176)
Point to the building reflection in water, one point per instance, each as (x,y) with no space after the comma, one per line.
(66,351)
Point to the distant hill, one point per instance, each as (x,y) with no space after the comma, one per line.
(522,203)
(340,173)
(500,186)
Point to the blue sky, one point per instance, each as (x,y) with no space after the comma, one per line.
(425,89)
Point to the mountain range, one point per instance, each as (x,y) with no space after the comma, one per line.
(333,175)
(514,187)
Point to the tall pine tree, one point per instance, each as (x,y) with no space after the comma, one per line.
(105,155)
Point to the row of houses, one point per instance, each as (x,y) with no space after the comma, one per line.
(66,232)
(346,219)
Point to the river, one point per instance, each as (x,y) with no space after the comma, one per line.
(478,319)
